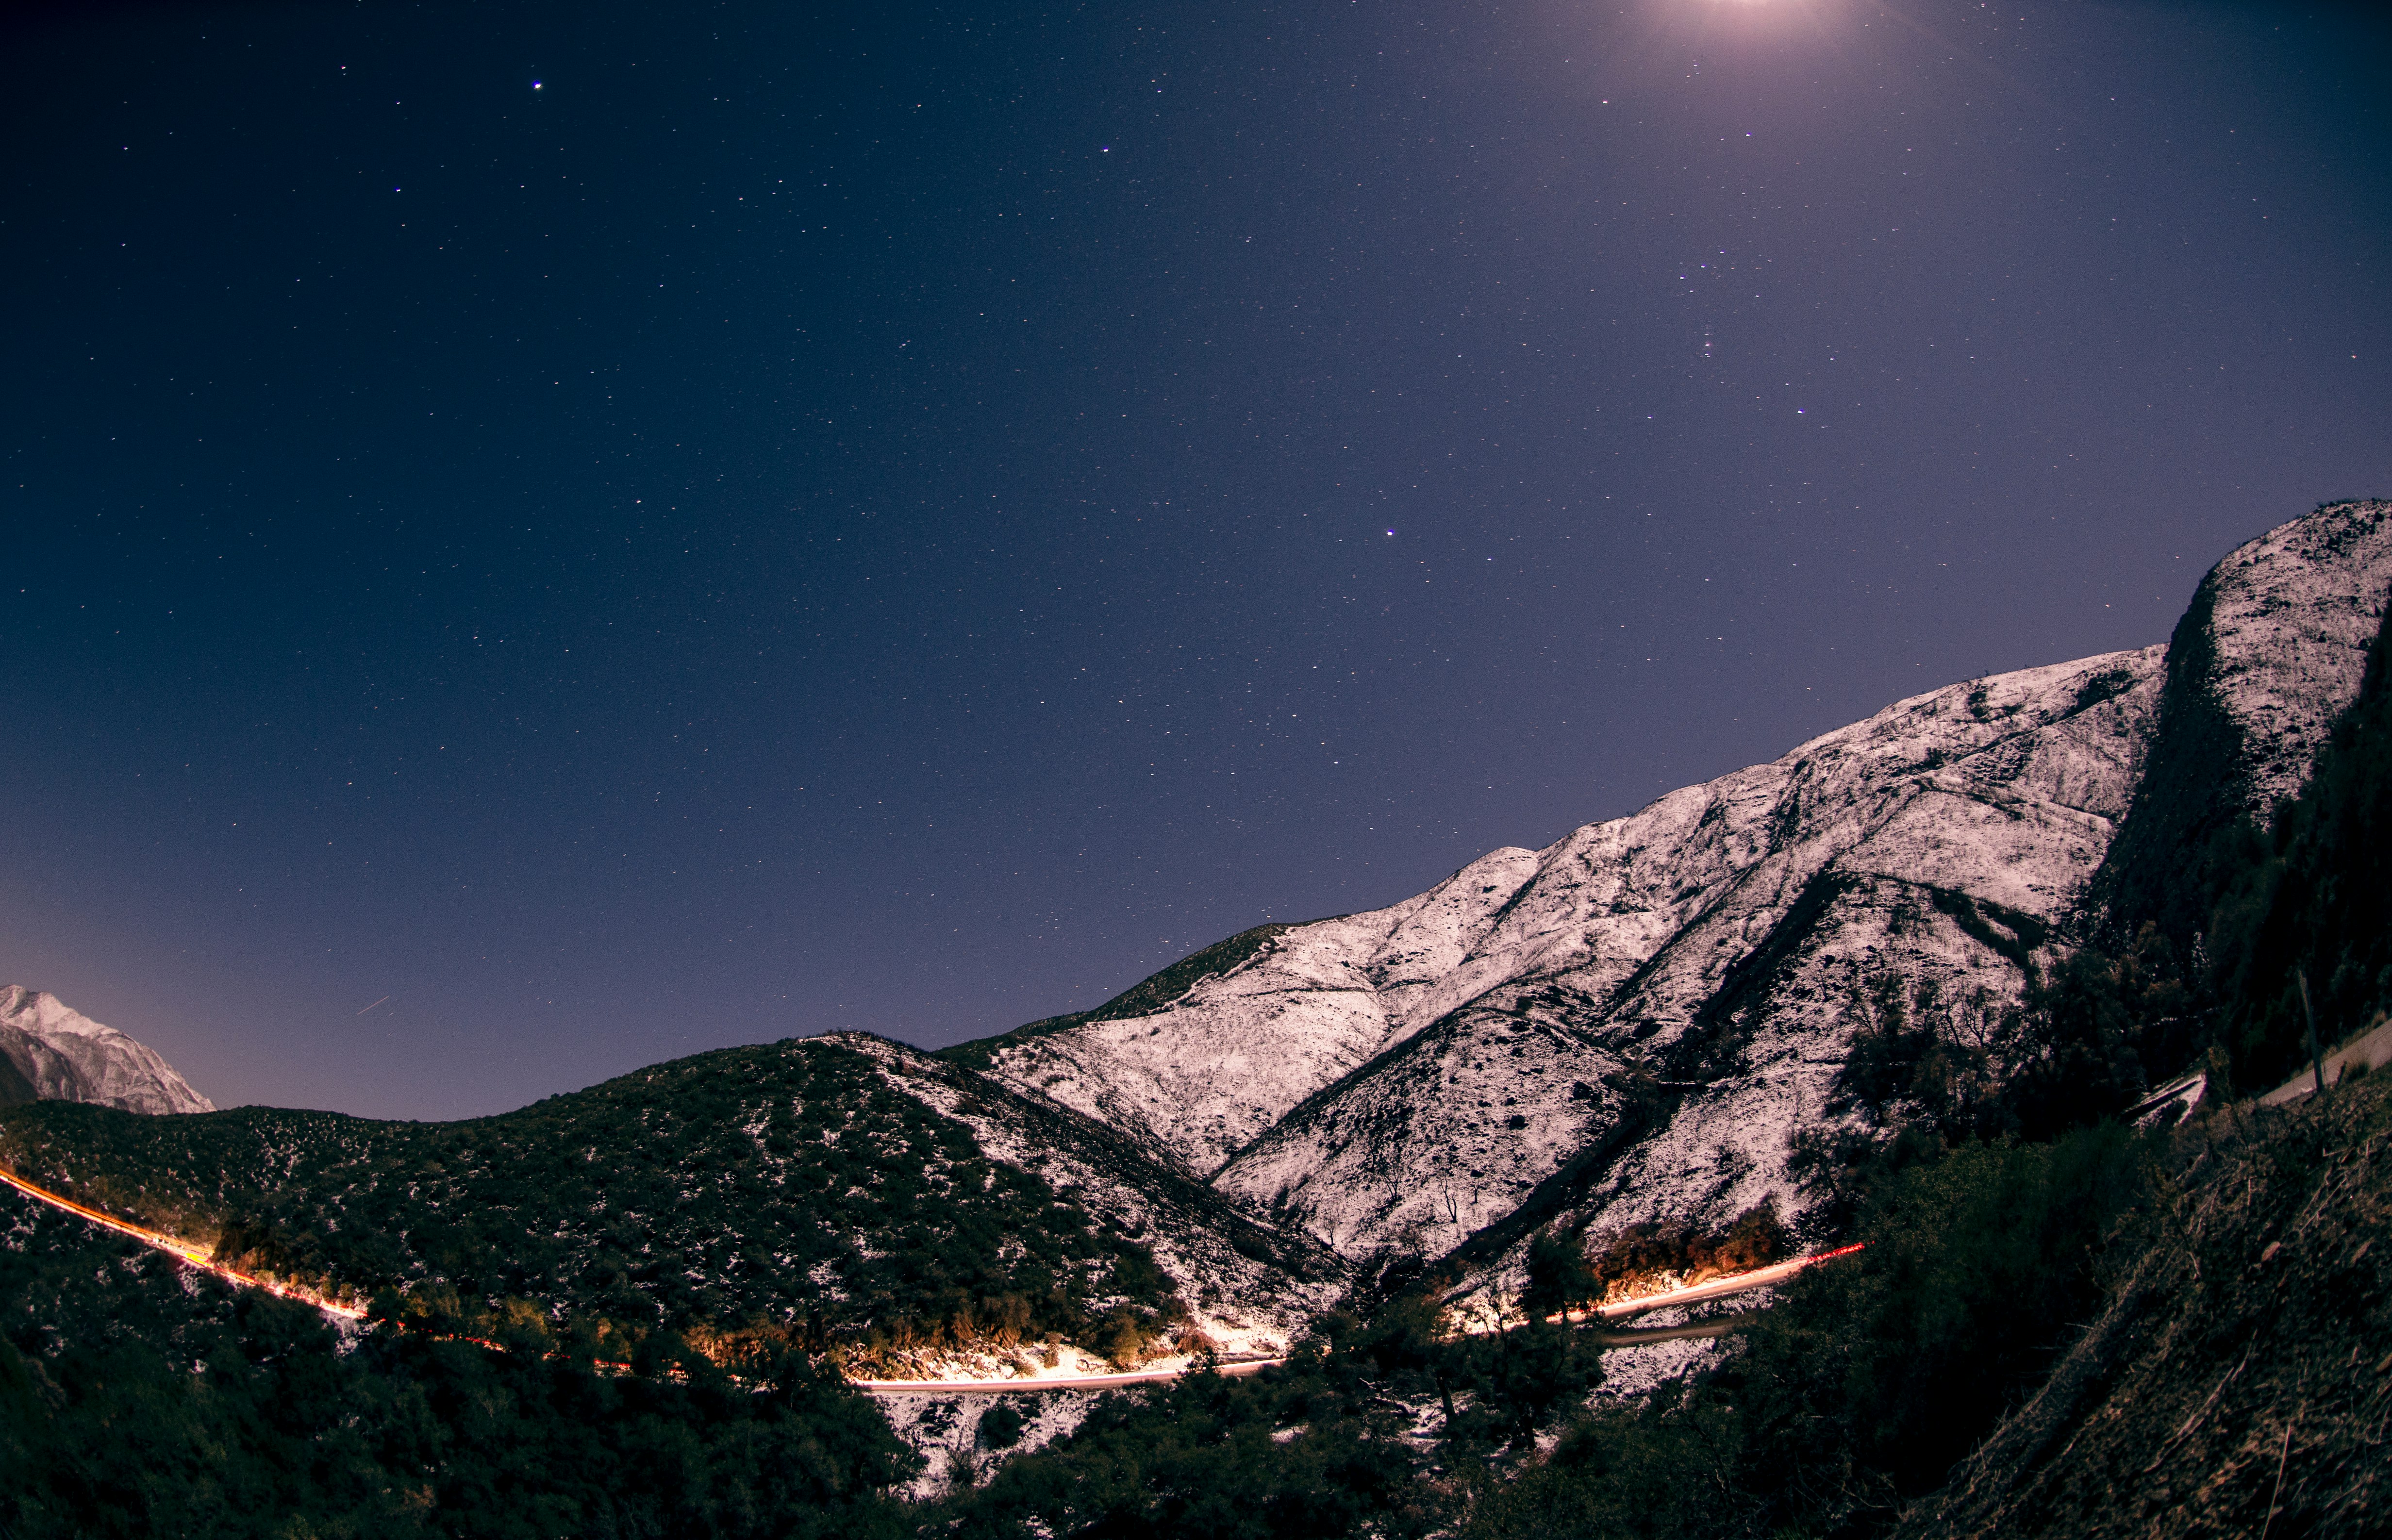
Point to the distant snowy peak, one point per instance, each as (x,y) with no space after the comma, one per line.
(51,1052)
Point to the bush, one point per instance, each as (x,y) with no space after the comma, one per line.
(1675,1249)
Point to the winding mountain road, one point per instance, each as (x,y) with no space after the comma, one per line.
(1714,1289)
(198,1257)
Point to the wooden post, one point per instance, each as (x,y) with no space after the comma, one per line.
(2317,1064)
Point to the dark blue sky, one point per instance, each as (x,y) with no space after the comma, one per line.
(625,529)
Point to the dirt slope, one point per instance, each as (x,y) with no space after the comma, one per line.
(2241,1378)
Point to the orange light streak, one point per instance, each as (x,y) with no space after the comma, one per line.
(181,1251)
(1735,1282)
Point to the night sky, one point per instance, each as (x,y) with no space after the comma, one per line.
(547,538)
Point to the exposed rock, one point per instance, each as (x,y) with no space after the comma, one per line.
(2269,653)
(2294,613)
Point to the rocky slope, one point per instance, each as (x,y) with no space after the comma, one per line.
(2291,614)
(2269,651)
(50,1051)
(1631,1022)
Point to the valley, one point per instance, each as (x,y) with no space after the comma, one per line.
(1381,1162)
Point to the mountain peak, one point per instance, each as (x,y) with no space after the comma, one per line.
(51,1052)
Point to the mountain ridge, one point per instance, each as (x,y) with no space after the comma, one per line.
(1401,1079)
(1486,953)
(850,1190)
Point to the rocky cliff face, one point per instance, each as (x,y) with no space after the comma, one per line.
(1631,1022)
(55,1053)
(2269,653)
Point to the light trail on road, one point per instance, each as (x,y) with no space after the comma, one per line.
(181,1251)
(1236,1370)
(1735,1282)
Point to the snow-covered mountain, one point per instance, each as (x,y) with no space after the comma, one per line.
(1469,1060)
(2290,619)
(52,1052)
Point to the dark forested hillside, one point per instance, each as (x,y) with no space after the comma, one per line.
(790,1182)
(2233,1382)
(139,1400)
(2191,804)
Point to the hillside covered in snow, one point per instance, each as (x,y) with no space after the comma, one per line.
(1633,1022)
